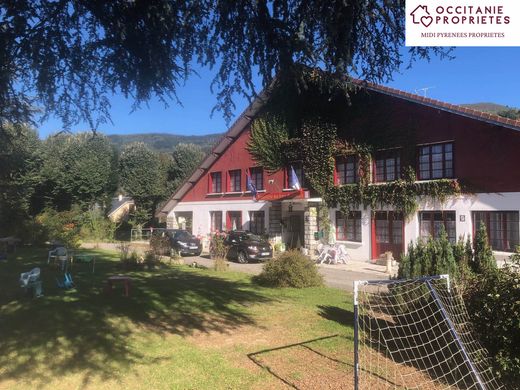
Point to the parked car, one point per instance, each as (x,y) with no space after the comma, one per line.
(245,246)
(183,242)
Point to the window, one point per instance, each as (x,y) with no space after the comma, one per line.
(347,170)
(436,161)
(257,222)
(431,223)
(502,228)
(216,220)
(298,170)
(234,220)
(257,177)
(387,166)
(216,182)
(235,184)
(348,226)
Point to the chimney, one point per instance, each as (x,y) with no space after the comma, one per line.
(120,197)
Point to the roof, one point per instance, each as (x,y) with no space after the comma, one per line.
(225,141)
(116,203)
(246,117)
(453,108)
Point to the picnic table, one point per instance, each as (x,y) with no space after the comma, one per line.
(126,281)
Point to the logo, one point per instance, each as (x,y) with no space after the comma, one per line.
(462,23)
(420,15)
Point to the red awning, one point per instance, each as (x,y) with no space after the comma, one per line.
(275,196)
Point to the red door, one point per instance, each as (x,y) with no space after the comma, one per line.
(387,233)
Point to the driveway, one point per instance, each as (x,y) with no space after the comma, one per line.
(338,276)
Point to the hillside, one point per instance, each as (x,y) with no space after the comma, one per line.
(492,108)
(164,142)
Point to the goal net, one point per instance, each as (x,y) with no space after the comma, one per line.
(416,334)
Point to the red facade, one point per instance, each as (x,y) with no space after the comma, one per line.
(237,158)
(486,157)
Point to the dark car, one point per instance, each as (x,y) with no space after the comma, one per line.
(183,242)
(245,246)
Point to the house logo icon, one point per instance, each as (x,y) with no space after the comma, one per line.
(420,15)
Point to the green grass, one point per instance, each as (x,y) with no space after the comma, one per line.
(180,328)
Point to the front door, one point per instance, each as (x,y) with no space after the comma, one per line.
(295,230)
(387,234)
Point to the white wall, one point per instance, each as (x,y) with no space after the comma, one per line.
(201,212)
(462,205)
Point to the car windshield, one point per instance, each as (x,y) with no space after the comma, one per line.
(251,236)
(182,235)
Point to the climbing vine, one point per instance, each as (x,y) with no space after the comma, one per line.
(318,146)
(403,195)
(270,144)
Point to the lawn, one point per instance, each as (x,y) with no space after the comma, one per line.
(181,328)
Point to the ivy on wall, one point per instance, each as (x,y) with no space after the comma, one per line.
(403,195)
(318,146)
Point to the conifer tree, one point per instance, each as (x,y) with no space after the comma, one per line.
(483,259)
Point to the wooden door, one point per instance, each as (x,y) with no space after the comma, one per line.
(387,234)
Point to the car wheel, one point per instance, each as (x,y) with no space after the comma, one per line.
(198,253)
(242,257)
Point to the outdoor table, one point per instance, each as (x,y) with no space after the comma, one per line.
(84,258)
(125,280)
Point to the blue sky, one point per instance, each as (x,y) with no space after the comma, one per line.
(475,75)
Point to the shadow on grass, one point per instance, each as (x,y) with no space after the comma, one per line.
(254,358)
(87,332)
(337,314)
(308,345)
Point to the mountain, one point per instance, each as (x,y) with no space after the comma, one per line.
(492,108)
(164,142)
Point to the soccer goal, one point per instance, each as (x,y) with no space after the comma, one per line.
(416,334)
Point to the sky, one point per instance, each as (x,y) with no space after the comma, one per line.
(475,75)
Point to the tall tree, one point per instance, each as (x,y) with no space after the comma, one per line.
(70,55)
(142,176)
(19,173)
(185,159)
(78,169)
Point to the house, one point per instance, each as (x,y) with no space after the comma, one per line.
(442,141)
(120,208)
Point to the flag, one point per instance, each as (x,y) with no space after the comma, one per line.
(293,180)
(250,186)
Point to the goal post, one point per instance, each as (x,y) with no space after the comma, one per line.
(416,334)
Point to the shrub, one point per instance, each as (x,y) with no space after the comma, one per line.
(151,259)
(220,264)
(483,258)
(463,254)
(217,248)
(290,269)
(433,258)
(61,226)
(493,302)
(96,227)
(160,244)
(124,250)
